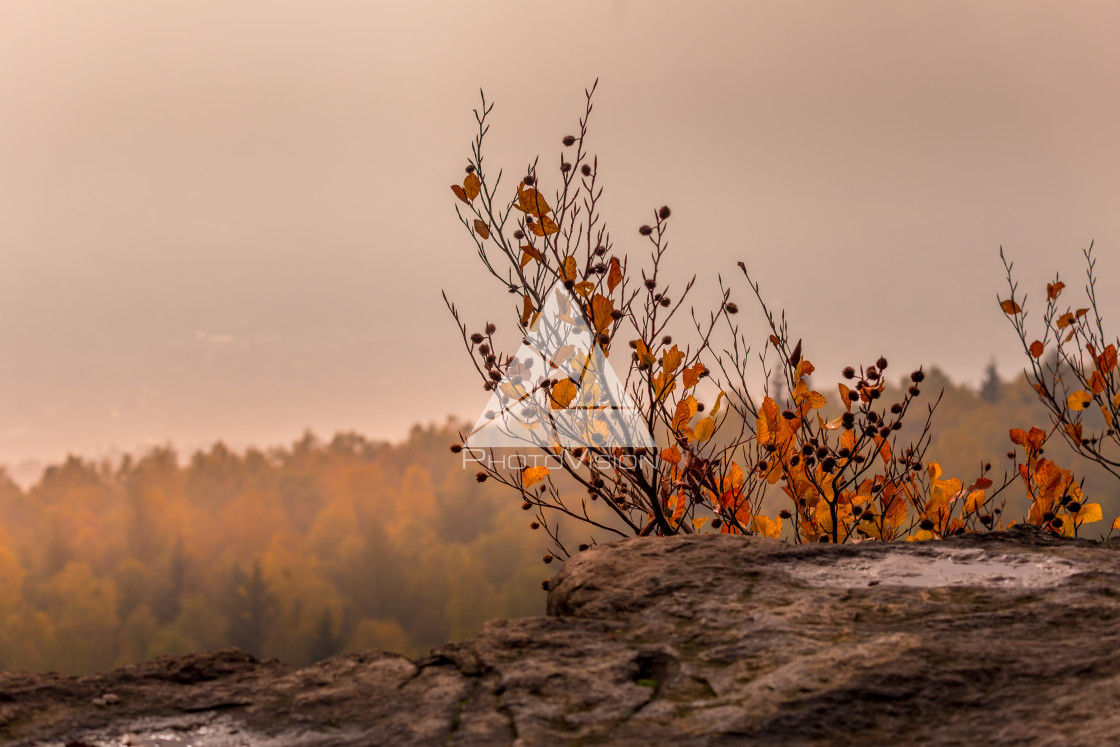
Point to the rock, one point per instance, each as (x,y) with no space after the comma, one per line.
(1006,638)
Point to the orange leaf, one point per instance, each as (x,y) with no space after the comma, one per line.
(1037,348)
(562,394)
(614,275)
(601,308)
(568,269)
(1010,307)
(1096,382)
(527,310)
(472,186)
(1107,360)
(1053,289)
(686,408)
(532,475)
(531,202)
(1065,320)
(672,455)
(459,192)
(480,227)
(527,250)
(584,289)
(691,376)
(544,227)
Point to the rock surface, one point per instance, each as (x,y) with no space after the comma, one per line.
(1008,638)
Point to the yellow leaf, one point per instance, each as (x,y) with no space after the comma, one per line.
(832,425)
(704,429)
(584,289)
(1079,400)
(472,186)
(1010,307)
(532,475)
(544,227)
(644,356)
(1089,512)
(804,368)
(1116,523)
(698,522)
(974,502)
(663,383)
(671,359)
(614,275)
(766,526)
(715,407)
(563,392)
(844,396)
(459,192)
(481,229)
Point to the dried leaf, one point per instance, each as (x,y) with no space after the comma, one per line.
(527,309)
(601,309)
(531,202)
(568,269)
(614,275)
(544,227)
(562,394)
(704,429)
(1010,307)
(691,376)
(1037,349)
(1053,289)
(460,193)
(481,229)
(472,186)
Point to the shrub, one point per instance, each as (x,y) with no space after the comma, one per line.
(719,445)
(1075,381)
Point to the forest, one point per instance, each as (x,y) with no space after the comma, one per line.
(322,547)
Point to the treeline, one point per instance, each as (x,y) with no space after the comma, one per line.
(295,553)
(303,552)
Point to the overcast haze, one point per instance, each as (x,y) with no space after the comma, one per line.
(232,219)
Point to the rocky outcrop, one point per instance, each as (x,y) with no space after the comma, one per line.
(1009,638)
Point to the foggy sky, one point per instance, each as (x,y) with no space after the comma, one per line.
(232,219)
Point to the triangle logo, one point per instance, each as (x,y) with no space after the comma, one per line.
(559,390)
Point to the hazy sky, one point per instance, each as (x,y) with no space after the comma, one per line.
(232,219)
